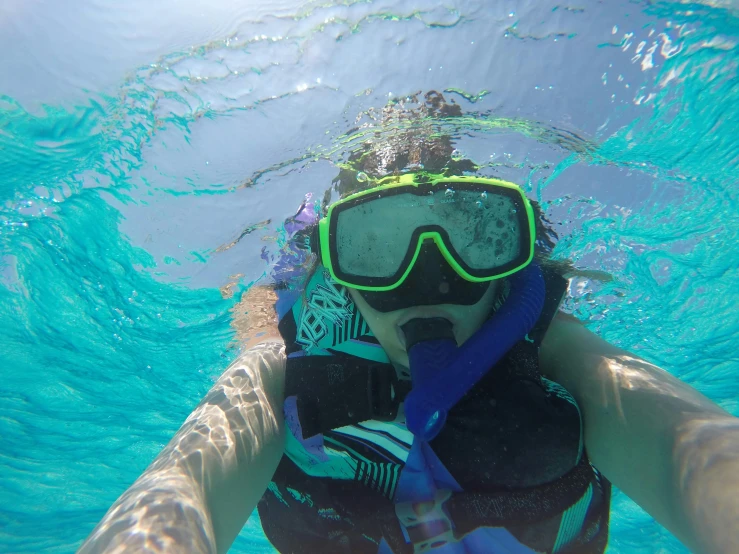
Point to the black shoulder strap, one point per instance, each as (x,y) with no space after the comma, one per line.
(338,390)
(556,286)
(289,330)
(504,508)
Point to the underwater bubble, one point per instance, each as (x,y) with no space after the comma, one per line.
(449,192)
(362,177)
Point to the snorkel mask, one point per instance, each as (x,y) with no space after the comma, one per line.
(419,239)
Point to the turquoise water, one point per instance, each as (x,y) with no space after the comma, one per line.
(139,202)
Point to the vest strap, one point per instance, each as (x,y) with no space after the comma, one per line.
(359,390)
(470,510)
(506,508)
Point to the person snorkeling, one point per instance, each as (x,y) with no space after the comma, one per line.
(423,393)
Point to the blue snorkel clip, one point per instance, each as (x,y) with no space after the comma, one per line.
(443,373)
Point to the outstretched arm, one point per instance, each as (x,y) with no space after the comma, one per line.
(667,446)
(199,492)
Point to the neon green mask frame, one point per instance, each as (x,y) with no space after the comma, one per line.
(419,184)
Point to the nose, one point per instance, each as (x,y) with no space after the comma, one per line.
(433,265)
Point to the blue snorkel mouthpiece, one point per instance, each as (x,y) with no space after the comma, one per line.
(431,348)
(443,373)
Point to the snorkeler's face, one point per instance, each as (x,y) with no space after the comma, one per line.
(386,326)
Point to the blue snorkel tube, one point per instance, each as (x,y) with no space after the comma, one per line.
(443,373)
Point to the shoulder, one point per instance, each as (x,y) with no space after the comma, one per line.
(258,372)
(260,366)
(566,340)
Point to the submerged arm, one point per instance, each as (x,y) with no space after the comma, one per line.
(199,492)
(667,446)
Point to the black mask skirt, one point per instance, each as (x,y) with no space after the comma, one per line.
(432,281)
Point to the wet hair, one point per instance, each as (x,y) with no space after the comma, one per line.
(408,142)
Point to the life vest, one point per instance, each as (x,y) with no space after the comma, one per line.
(513,444)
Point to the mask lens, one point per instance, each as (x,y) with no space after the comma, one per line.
(374,238)
(484,228)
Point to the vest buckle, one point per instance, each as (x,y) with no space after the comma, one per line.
(426,524)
